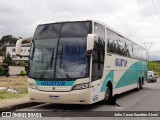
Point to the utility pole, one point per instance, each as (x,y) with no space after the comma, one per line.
(148,45)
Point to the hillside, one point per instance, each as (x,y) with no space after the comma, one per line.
(154,66)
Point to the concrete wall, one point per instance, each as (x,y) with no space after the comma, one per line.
(14,70)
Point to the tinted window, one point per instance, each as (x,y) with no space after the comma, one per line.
(49,31)
(98,53)
(111,42)
(119,45)
(129,47)
(77,29)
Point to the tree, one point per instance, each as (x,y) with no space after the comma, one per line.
(1,70)
(1,53)
(8,39)
(8,59)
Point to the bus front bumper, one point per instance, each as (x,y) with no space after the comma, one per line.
(82,96)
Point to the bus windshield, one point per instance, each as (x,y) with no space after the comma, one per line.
(59,51)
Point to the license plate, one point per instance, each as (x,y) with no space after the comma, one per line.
(54,97)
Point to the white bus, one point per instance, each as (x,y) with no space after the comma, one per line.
(82,62)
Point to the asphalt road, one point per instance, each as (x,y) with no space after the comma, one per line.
(147,99)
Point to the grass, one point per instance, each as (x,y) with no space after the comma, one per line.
(154,66)
(16,82)
(9,95)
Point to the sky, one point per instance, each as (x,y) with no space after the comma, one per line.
(138,20)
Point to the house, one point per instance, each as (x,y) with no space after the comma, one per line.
(20,63)
(11,49)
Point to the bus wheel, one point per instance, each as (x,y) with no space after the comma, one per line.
(108,94)
(139,85)
(155,80)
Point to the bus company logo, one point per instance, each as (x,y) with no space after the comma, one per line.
(120,62)
(53,83)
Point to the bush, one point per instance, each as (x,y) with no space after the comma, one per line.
(8,59)
(22,73)
(154,66)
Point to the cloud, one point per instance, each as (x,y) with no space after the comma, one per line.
(136,19)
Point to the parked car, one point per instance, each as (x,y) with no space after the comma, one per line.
(151,76)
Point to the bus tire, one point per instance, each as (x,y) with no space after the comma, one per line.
(156,80)
(139,85)
(108,94)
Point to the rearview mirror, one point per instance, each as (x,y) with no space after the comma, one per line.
(90,41)
(19,45)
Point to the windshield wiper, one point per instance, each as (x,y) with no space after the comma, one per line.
(66,72)
(60,65)
(52,57)
(50,62)
(61,58)
(33,45)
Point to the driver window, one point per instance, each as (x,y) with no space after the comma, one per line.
(98,53)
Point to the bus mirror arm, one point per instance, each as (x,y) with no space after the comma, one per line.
(90,53)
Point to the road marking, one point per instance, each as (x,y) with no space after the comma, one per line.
(33,106)
(119,107)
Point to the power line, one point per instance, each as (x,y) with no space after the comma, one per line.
(119,18)
(65,9)
(158,16)
(148,45)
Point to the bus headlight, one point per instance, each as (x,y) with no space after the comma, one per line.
(80,86)
(32,86)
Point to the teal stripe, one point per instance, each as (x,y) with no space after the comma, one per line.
(109,77)
(54,83)
(131,76)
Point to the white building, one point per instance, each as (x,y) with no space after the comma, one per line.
(11,49)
